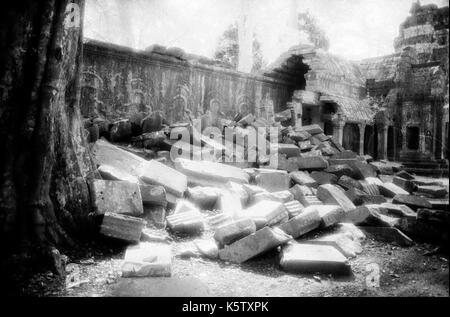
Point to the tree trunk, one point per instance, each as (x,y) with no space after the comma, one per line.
(44,162)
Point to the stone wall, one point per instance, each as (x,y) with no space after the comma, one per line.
(118,82)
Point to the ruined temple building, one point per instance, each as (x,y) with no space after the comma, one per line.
(391,107)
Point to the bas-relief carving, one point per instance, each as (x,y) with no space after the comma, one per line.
(181,106)
(92,85)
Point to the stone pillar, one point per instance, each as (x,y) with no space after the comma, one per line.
(382,141)
(362,130)
(404,143)
(338,130)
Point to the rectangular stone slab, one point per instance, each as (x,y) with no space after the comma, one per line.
(294,208)
(343,242)
(108,172)
(209,173)
(234,231)
(119,197)
(253,245)
(147,259)
(432,191)
(330,194)
(390,190)
(330,215)
(405,184)
(271,211)
(414,202)
(155,173)
(122,227)
(303,178)
(312,163)
(312,258)
(307,221)
(153,195)
(290,150)
(273,181)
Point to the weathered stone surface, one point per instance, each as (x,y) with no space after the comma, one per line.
(388,234)
(436,216)
(152,123)
(360,169)
(266,213)
(113,174)
(290,150)
(153,235)
(209,173)
(405,184)
(155,173)
(414,202)
(370,189)
(187,220)
(155,215)
(153,195)
(241,191)
(303,178)
(122,227)
(401,211)
(308,220)
(330,215)
(391,190)
(147,259)
(344,243)
(203,197)
(371,215)
(265,196)
(274,181)
(229,203)
(340,170)
(299,136)
(349,183)
(120,197)
(345,155)
(285,196)
(355,195)
(312,163)
(207,248)
(432,191)
(294,208)
(350,230)
(383,168)
(299,191)
(330,194)
(234,231)
(323,178)
(374,181)
(255,244)
(305,145)
(310,201)
(313,258)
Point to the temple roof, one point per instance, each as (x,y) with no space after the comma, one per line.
(356,110)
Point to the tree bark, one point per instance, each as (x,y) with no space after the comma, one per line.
(44,162)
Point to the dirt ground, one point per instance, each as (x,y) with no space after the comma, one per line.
(419,270)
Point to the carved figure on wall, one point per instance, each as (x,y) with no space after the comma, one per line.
(429,141)
(181,106)
(91,105)
(244,104)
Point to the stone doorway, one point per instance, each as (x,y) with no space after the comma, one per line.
(413,138)
(350,139)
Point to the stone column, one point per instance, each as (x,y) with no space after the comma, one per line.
(382,141)
(404,143)
(362,130)
(338,130)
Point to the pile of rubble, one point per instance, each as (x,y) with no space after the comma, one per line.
(240,213)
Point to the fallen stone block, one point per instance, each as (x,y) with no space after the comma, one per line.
(186,222)
(219,220)
(229,203)
(285,196)
(305,146)
(120,197)
(330,215)
(290,150)
(122,227)
(350,230)
(310,201)
(303,178)
(414,202)
(312,163)
(153,195)
(370,215)
(344,243)
(253,190)
(361,170)
(370,189)
(336,144)
(308,220)
(209,173)
(404,184)
(433,216)
(147,259)
(294,208)
(355,195)
(111,173)
(313,258)
(427,183)
(234,231)
(385,169)
(340,170)
(401,211)
(300,190)
(432,232)
(203,197)
(155,173)
(349,183)
(156,215)
(273,181)
(373,181)
(388,234)
(373,200)
(405,175)
(312,129)
(432,191)
(253,245)
(266,213)
(299,136)
(330,194)
(391,190)
(157,236)
(240,190)
(265,196)
(207,248)
(323,178)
